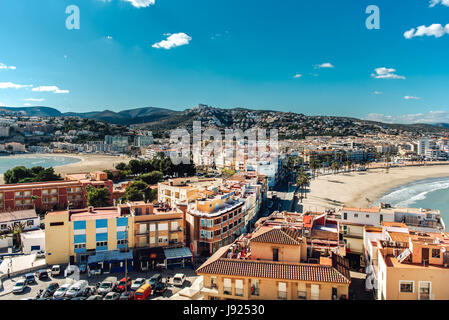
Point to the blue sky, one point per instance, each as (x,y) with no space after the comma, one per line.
(234,53)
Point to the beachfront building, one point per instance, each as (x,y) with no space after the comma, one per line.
(271,264)
(51,195)
(409,265)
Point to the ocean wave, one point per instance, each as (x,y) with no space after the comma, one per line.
(411,193)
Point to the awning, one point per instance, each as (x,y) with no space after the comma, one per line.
(110,256)
(177,253)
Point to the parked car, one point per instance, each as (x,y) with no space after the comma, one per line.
(79,298)
(76,289)
(129,295)
(124,283)
(143,292)
(55,270)
(112,296)
(138,283)
(160,288)
(51,289)
(178,279)
(95,297)
(155,279)
(42,274)
(107,285)
(29,278)
(70,270)
(19,286)
(60,292)
(90,290)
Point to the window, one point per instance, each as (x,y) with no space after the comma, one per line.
(30,223)
(254,287)
(436,253)
(163,226)
(239,288)
(406,286)
(227,286)
(3,226)
(356,215)
(121,242)
(282,290)
(315,292)
(302,291)
(80,245)
(102,244)
(367,215)
(54,224)
(345,215)
(275,254)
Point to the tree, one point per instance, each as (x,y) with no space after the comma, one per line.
(15,232)
(135,166)
(98,197)
(121,166)
(21,174)
(137,191)
(302,181)
(152,177)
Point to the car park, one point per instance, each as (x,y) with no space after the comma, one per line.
(107,285)
(51,289)
(60,292)
(42,274)
(19,286)
(112,296)
(138,283)
(55,270)
(178,279)
(154,280)
(143,292)
(124,283)
(29,278)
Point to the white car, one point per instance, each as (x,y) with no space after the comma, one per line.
(20,286)
(178,279)
(76,289)
(55,270)
(138,283)
(112,296)
(62,290)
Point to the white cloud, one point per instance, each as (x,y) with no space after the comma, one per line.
(53,89)
(436,30)
(2,104)
(429,117)
(141,3)
(34,100)
(386,73)
(5,67)
(296,76)
(27,104)
(377,92)
(433,3)
(10,85)
(411,98)
(324,65)
(173,40)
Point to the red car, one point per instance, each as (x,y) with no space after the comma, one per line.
(124,283)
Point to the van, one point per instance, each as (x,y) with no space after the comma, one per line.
(178,279)
(143,292)
(107,285)
(55,270)
(77,289)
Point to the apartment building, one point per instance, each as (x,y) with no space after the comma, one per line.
(158,234)
(270,264)
(411,266)
(45,196)
(143,234)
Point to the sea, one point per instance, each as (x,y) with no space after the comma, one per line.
(8,162)
(432,193)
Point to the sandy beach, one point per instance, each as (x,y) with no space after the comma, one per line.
(360,189)
(88,163)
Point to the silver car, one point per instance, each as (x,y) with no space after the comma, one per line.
(20,286)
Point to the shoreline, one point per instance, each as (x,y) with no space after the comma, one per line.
(361,189)
(87,163)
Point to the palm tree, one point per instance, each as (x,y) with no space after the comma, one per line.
(14,231)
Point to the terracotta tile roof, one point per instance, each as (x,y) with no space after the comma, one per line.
(273,270)
(274,235)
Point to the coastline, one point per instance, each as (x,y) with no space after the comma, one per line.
(361,189)
(87,163)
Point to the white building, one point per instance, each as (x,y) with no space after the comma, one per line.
(33,241)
